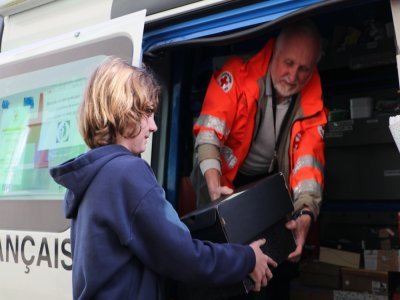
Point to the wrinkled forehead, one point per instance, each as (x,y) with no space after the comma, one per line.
(302,49)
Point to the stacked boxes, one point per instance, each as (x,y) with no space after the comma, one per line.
(342,275)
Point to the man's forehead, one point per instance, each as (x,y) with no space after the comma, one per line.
(302,50)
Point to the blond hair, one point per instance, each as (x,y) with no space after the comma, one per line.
(116,98)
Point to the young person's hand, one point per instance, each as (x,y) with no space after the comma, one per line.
(262,272)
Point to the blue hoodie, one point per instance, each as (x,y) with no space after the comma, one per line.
(126,237)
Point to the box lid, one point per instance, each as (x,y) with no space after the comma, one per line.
(247,213)
(259,207)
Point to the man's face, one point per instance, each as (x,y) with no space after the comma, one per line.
(293,64)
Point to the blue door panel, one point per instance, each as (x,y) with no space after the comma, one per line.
(222,22)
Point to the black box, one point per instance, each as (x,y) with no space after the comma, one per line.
(259,211)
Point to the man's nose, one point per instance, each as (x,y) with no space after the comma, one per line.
(292,74)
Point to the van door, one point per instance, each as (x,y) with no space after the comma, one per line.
(40,89)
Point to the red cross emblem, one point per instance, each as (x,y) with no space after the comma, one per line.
(225,81)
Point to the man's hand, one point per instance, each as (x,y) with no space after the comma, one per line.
(261,273)
(300,228)
(215,190)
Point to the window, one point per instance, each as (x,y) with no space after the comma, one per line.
(38,129)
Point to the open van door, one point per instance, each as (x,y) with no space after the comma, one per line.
(41,86)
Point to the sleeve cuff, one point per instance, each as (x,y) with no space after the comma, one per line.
(210,164)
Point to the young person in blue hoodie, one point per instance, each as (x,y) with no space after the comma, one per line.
(125,237)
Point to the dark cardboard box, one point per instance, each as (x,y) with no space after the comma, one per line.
(350,295)
(360,280)
(338,257)
(298,291)
(382,260)
(320,274)
(261,210)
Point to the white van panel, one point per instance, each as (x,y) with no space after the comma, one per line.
(184,9)
(10,7)
(82,36)
(36,263)
(52,19)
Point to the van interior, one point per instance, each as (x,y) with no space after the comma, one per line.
(360,85)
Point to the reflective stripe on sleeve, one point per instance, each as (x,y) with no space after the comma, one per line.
(207,137)
(213,122)
(231,159)
(309,185)
(307,161)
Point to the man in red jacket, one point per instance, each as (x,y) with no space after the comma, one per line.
(265,115)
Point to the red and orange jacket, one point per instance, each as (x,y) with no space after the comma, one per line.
(228,119)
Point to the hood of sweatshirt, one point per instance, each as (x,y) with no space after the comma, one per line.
(77,174)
